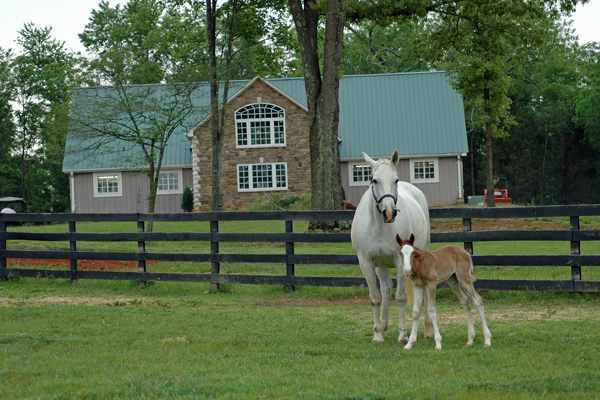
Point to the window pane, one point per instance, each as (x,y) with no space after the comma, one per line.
(279,132)
(242,134)
(108,184)
(168,181)
(260,132)
(264,123)
(361,172)
(280,176)
(424,169)
(262,176)
(243,178)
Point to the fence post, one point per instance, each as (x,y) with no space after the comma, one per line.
(575,251)
(467,228)
(3,265)
(289,250)
(214,249)
(73,249)
(141,250)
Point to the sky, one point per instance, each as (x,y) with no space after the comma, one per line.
(68,18)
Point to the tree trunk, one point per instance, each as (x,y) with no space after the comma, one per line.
(491,201)
(544,165)
(217,139)
(322,98)
(472,162)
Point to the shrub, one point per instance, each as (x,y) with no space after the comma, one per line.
(187,200)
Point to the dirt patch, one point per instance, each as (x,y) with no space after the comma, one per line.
(498,225)
(82,265)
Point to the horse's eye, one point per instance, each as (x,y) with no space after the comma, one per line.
(374,181)
(397,180)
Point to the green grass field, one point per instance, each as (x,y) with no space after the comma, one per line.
(169,340)
(100,340)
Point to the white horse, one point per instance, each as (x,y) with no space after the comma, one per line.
(426,269)
(387,209)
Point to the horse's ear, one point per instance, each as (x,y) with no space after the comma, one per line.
(398,239)
(412,239)
(395,157)
(369,159)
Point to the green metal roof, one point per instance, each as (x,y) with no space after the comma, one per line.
(416,113)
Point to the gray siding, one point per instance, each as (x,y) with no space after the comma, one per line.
(444,192)
(136,189)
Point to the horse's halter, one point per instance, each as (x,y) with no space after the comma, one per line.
(379,200)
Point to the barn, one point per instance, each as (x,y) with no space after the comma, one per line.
(266,153)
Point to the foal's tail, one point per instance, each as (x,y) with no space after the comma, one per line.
(472,270)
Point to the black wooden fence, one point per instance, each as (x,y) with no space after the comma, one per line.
(573,235)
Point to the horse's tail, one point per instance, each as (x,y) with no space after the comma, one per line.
(472,270)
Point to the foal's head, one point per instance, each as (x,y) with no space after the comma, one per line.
(384,185)
(407,250)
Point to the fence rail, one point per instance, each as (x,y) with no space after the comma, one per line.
(573,235)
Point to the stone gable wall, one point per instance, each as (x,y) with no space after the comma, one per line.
(296,154)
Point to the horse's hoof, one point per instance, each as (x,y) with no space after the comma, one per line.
(428,335)
(487,345)
(407,349)
(469,344)
(403,340)
(438,348)
(378,341)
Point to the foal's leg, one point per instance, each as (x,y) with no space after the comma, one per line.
(478,303)
(430,292)
(401,300)
(368,269)
(416,313)
(385,286)
(465,301)
(428,333)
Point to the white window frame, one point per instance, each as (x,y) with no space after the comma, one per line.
(179,190)
(365,182)
(98,175)
(436,170)
(244,124)
(251,187)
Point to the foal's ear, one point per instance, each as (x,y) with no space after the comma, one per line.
(412,239)
(395,157)
(398,239)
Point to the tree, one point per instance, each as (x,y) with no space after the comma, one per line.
(455,19)
(44,74)
(322,92)
(372,48)
(8,185)
(133,50)
(480,43)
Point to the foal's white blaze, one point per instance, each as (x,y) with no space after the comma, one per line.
(407,252)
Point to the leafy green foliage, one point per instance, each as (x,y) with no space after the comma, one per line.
(187,199)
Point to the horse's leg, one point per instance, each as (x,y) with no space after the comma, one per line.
(430,293)
(401,300)
(416,313)
(368,269)
(478,303)
(465,301)
(385,287)
(429,332)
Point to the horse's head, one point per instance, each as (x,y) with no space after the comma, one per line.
(407,250)
(384,185)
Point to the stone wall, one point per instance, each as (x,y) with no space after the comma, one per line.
(296,153)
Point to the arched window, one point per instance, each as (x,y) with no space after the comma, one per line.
(260,125)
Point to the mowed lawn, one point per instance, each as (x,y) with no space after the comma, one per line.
(167,340)
(109,340)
